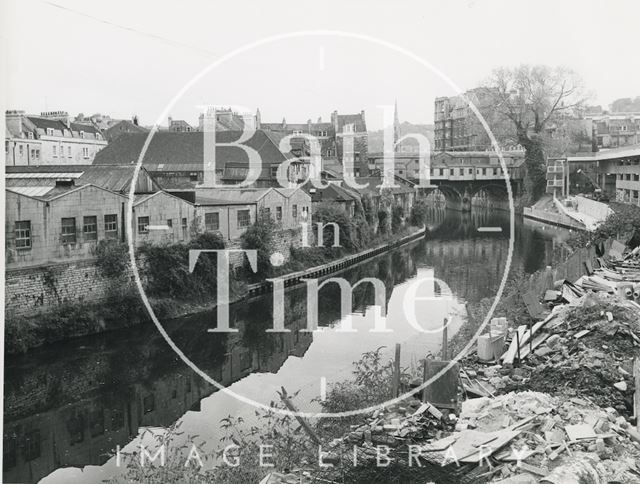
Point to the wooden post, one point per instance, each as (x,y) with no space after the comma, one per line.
(444,340)
(424,379)
(396,373)
(285,399)
(636,376)
(518,343)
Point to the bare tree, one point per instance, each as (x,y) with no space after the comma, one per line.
(529,98)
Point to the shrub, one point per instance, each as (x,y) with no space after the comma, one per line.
(383,222)
(622,224)
(397,214)
(418,213)
(166,268)
(112,257)
(260,237)
(350,236)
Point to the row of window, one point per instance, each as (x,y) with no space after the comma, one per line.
(144,222)
(24,235)
(50,132)
(85,151)
(629,176)
(479,171)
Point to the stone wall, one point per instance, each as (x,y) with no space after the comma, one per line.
(35,289)
(32,290)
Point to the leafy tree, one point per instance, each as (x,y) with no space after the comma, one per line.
(260,237)
(397,214)
(529,99)
(418,214)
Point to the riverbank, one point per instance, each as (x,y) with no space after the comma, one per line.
(123,308)
(541,422)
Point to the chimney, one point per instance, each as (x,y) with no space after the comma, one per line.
(334,120)
(134,120)
(13,119)
(170,119)
(258,119)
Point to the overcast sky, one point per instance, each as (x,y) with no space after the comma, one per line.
(123,57)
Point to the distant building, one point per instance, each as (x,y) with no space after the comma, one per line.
(123,126)
(50,138)
(476,165)
(616,172)
(616,130)
(231,211)
(343,131)
(176,160)
(456,126)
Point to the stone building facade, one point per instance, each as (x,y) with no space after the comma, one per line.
(50,138)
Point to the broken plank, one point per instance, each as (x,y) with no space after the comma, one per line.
(511,353)
(582,333)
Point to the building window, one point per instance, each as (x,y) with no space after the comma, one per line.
(82,134)
(37,157)
(297,132)
(184,225)
(49,131)
(69,151)
(98,136)
(143,225)
(193,177)
(274,171)
(69,230)
(266,212)
(212,221)
(23,234)
(278,213)
(111,226)
(90,227)
(169,223)
(305,212)
(85,152)
(55,150)
(244,218)
(294,211)
(30,135)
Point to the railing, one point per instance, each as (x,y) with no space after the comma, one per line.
(298,277)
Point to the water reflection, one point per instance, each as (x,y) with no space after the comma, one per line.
(69,405)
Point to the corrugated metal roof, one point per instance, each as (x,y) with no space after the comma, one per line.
(32,191)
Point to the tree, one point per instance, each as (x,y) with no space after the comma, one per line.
(530,98)
(260,237)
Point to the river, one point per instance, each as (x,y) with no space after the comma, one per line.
(69,405)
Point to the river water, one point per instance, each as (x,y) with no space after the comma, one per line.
(69,405)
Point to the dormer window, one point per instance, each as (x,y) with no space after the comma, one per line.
(49,131)
(82,134)
(349,128)
(98,136)
(297,132)
(30,135)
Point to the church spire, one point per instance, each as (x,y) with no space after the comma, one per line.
(396,126)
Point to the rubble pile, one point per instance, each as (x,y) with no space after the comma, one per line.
(556,402)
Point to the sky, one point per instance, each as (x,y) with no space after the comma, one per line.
(134,57)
